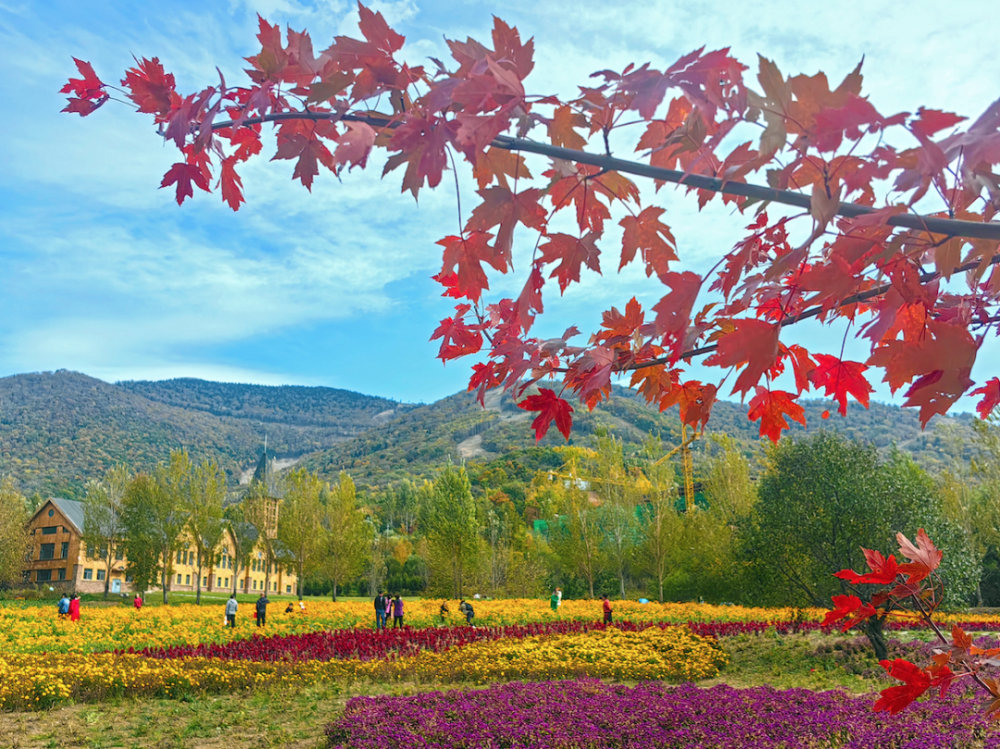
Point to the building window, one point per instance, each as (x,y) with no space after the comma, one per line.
(88,574)
(255,585)
(62,573)
(179,579)
(128,577)
(187,581)
(204,582)
(101,574)
(178,557)
(51,512)
(119,555)
(50,531)
(288,588)
(47,551)
(64,550)
(43,576)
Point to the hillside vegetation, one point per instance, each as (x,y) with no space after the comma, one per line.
(59,429)
(456,428)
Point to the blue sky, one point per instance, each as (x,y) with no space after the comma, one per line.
(102,273)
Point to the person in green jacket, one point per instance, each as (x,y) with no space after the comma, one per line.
(554,601)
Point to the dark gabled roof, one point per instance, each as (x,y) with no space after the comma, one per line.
(71,509)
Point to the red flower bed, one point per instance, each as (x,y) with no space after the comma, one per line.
(368,645)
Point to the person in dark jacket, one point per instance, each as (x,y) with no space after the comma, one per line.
(380,611)
(262,610)
(466,608)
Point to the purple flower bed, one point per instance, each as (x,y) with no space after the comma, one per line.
(588,713)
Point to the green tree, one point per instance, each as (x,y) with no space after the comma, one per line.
(203,499)
(576,532)
(820,500)
(14,538)
(141,540)
(300,523)
(661,527)
(167,513)
(348,535)
(449,522)
(618,494)
(102,518)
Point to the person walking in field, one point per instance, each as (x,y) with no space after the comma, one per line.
(231,608)
(379,611)
(607,609)
(443,612)
(63,607)
(137,602)
(262,610)
(554,601)
(74,609)
(397,612)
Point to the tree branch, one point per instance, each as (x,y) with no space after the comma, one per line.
(950,227)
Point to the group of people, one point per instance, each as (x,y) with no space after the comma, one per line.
(260,610)
(386,606)
(69,608)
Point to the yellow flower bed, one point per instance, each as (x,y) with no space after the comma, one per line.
(36,629)
(671,654)
(32,681)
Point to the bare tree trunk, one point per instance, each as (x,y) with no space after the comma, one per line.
(166,575)
(301,565)
(334,591)
(197,595)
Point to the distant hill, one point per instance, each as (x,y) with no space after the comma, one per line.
(420,440)
(59,429)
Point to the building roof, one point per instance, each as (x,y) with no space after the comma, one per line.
(71,509)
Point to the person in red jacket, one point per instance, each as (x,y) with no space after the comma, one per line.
(137,602)
(607,610)
(74,609)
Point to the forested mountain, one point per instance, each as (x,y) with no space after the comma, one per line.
(59,429)
(420,440)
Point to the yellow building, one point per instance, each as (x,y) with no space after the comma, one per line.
(59,559)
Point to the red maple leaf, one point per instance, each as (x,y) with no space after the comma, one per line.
(847,607)
(991,397)
(354,145)
(551,408)
(924,557)
(151,89)
(297,140)
(916,682)
(840,378)
(647,234)
(753,343)
(502,207)
(483,378)
(673,311)
(572,253)
(771,407)
(457,338)
(232,185)
(183,175)
(883,571)
(694,402)
(89,93)
(930,121)
(467,255)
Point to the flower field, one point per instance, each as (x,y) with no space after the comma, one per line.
(34,629)
(592,714)
(540,671)
(37,681)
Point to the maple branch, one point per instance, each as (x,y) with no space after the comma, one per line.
(815,311)
(951,227)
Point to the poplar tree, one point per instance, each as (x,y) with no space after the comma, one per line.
(203,499)
(300,523)
(348,536)
(102,518)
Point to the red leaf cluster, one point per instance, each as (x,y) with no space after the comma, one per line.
(332,107)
